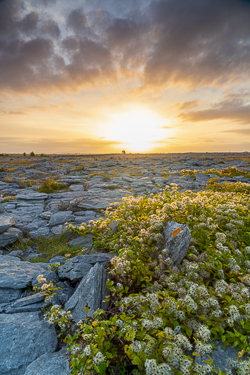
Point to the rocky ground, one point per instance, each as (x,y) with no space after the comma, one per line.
(89,184)
(38,197)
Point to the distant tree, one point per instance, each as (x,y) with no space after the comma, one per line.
(124,152)
(32,154)
(24,154)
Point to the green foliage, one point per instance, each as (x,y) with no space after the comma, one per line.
(49,247)
(51,186)
(7,199)
(157,312)
(239,187)
(32,153)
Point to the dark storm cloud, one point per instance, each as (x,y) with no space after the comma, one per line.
(29,54)
(29,23)
(51,28)
(122,32)
(229,109)
(161,43)
(77,21)
(199,42)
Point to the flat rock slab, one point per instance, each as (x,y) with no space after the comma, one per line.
(50,364)
(202,178)
(8,295)
(176,240)
(85,242)
(95,204)
(24,337)
(92,290)
(31,196)
(41,232)
(76,268)
(6,222)
(15,274)
(10,236)
(60,218)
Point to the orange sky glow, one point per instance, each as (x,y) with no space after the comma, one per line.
(102,76)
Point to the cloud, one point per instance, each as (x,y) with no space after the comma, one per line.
(77,21)
(199,43)
(238,131)
(187,104)
(159,43)
(234,109)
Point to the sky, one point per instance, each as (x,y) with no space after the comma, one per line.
(144,76)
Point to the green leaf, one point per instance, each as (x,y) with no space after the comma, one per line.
(196,354)
(137,361)
(189,331)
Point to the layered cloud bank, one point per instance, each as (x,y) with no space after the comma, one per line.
(194,56)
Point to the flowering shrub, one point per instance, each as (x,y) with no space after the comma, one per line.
(47,289)
(160,317)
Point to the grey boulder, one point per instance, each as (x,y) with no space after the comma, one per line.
(24,337)
(10,236)
(9,295)
(50,364)
(15,274)
(91,291)
(41,232)
(60,218)
(85,242)
(30,303)
(220,356)
(202,178)
(6,222)
(76,268)
(177,244)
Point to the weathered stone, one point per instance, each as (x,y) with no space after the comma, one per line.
(59,229)
(46,215)
(91,291)
(60,217)
(33,307)
(94,204)
(6,222)
(220,356)
(24,337)
(50,364)
(113,226)
(31,195)
(30,303)
(178,245)
(16,274)
(9,295)
(63,294)
(29,300)
(10,236)
(44,232)
(84,242)
(202,178)
(16,253)
(76,268)
(58,259)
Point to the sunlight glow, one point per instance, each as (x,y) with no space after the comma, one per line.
(137,129)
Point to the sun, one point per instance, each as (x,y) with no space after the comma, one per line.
(136,129)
